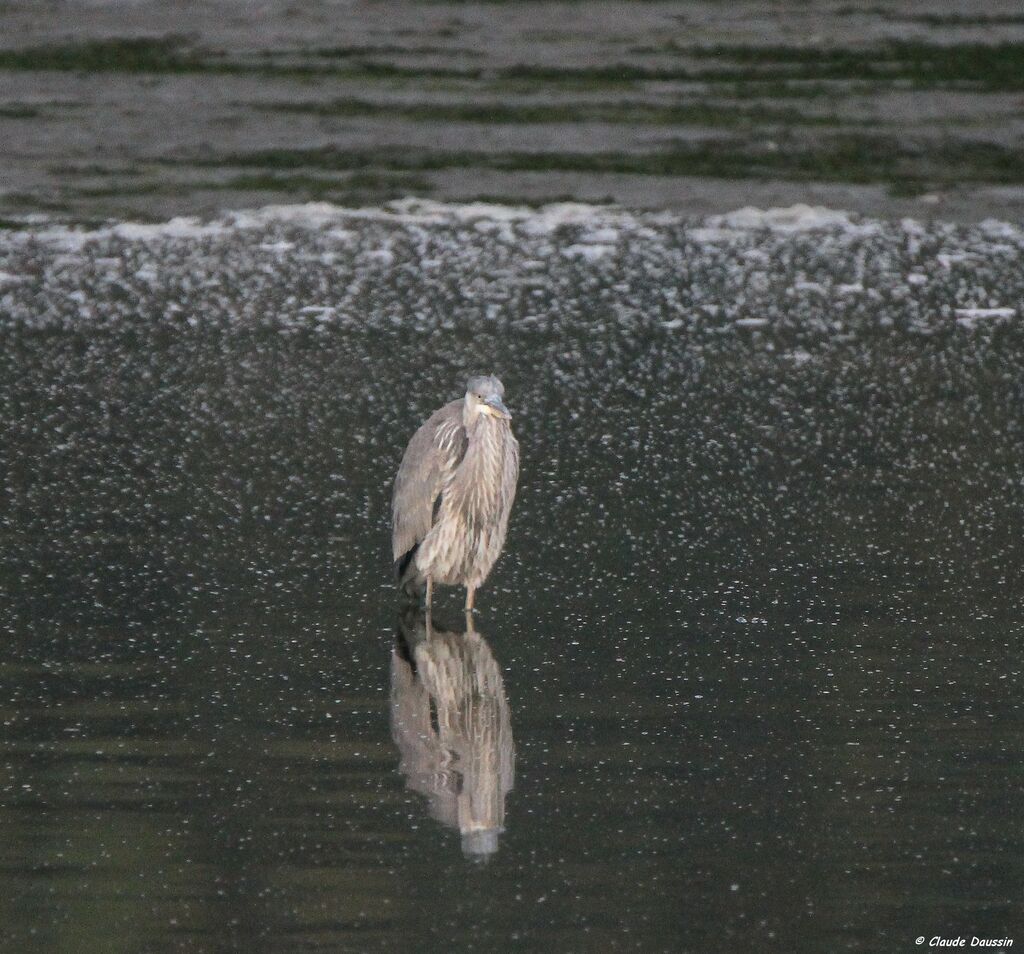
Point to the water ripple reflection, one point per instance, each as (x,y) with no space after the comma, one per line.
(450,720)
(758,614)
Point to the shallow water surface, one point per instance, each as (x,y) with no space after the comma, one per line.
(747,675)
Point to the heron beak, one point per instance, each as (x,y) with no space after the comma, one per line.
(495,408)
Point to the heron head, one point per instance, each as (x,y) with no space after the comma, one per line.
(483,396)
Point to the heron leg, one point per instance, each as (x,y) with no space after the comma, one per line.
(430,591)
(470,592)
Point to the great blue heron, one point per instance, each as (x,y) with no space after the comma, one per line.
(450,720)
(454,491)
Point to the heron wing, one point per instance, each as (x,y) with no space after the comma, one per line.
(434,452)
(510,475)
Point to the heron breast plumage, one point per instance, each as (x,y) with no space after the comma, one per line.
(475,501)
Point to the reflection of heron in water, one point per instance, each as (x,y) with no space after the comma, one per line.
(459,755)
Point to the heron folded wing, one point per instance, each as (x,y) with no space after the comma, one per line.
(429,461)
(510,475)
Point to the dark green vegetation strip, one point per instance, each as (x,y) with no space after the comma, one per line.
(839,159)
(984,66)
(375,184)
(383,49)
(131,55)
(955,19)
(628,113)
(933,19)
(19,111)
(988,66)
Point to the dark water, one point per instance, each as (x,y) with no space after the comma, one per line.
(746,678)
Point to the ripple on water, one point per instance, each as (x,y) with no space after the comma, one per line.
(756,625)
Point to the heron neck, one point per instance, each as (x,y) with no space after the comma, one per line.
(484,427)
(485,440)
(477,485)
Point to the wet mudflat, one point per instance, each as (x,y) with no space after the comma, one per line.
(748,674)
(157,107)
